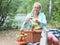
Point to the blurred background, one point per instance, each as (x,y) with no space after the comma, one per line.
(13,13)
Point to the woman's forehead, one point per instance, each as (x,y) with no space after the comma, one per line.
(36,5)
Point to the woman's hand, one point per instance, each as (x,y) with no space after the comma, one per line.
(28,19)
(36,21)
(21,29)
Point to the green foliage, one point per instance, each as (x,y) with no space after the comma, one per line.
(23,7)
(55,19)
(8,8)
(12,7)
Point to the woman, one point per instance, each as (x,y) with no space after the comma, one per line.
(40,20)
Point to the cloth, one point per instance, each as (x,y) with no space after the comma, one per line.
(55,32)
(44,35)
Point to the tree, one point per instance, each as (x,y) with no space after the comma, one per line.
(7,8)
(55,19)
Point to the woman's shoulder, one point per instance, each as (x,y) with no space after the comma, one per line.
(41,14)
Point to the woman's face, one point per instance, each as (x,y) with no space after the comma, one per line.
(36,9)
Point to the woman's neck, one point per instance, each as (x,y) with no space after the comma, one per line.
(36,16)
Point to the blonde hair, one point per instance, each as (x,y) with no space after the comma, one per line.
(37,3)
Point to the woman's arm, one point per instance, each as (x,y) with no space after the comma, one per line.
(27,19)
(42,20)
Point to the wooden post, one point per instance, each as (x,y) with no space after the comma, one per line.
(50,9)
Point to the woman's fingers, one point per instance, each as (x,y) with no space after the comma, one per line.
(28,19)
(36,21)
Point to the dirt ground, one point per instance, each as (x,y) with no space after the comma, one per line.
(8,37)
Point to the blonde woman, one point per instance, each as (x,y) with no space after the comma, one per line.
(40,22)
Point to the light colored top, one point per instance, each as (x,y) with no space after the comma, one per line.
(41,18)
